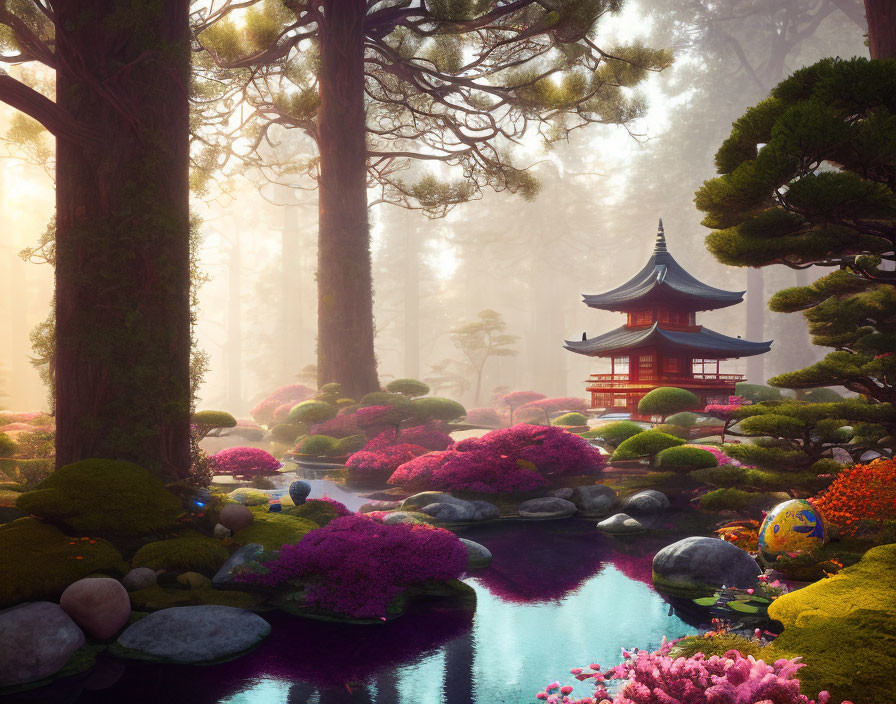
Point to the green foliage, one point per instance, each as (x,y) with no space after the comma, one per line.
(437,408)
(194,553)
(645,444)
(288,433)
(157,597)
(716,645)
(767,454)
(667,400)
(615,432)
(274,530)
(318,512)
(675,430)
(249,497)
(571,419)
(213,419)
(7,446)
(28,473)
(756,393)
(408,387)
(750,478)
(819,395)
(746,502)
(685,419)
(38,561)
(311,412)
(349,445)
(685,458)
(320,445)
(104,496)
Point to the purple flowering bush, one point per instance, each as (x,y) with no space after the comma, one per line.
(508,460)
(244,462)
(263,413)
(355,566)
(341,426)
(657,678)
(379,464)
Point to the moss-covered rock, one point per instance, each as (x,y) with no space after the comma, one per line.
(196,553)
(752,478)
(685,419)
(37,561)
(155,598)
(274,530)
(645,444)
(684,459)
(99,496)
(318,512)
(844,627)
(249,497)
(741,501)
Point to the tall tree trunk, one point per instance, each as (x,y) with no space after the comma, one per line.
(881,15)
(345,290)
(122,243)
(412,302)
(755,322)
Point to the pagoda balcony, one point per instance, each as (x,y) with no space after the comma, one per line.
(623,381)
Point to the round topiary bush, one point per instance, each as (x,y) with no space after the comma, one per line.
(667,400)
(206,421)
(571,419)
(245,463)
(311,412)
(437,408)
(318,445)
(685,419)
(194,553)
(408,387)
(104,496)
(287,433)
(685,459)
(645,444)
(319,511)
(616,432)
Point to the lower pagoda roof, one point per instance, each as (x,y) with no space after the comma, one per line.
(703,341)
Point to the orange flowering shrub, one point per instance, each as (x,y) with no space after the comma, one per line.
(862,499)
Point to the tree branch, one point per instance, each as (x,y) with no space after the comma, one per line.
(27,100)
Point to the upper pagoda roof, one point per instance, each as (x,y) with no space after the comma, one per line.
(663,280)
(705,342)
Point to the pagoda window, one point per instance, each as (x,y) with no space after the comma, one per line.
(672,365)
(620,401)
(640,317)
(705,366)
(620,366)
(646,366)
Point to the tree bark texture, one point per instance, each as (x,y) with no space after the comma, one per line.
(881,15)
(122,244)
(345,291)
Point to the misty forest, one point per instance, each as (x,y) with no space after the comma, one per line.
(448,351)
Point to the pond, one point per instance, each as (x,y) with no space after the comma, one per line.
(558,595)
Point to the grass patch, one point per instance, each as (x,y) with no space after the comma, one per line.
(196,553)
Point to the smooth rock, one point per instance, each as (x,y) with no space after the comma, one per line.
(36,641)
(869,456)
(425,498)
(841,455)
(140,578)
(699,564)
(194,634)
(248,553)
(547,507)
(193,580)
(485,511)
(413,517)
(619,524)
(298,492)
(222,531)
(595,499)
(235,517)
(648,501)
(450,511)
(478,556)
(99,605)
(563,493)
(379,506)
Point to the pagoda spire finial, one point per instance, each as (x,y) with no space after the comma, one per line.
(660,239)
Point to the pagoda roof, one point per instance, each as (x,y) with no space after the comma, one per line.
(703,341)
(663,280)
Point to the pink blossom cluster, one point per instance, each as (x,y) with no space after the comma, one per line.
(281,412)
(509,460)
(19,416)
(724,411)
(244,462)
(356,566)
(716,452)
(263,413)
(657,678)
(483,416)
(431,435)
(340,426)
(382,462)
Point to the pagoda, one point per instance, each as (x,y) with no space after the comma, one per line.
(661,344)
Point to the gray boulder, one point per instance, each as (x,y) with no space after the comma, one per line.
(620,524)
(646,502)
(36,641)
(413,517)
(547,507)
(562,493)
(478,556)
(248,553)
(192,634)
(485,511)
(222,532)
(594,499)
(139,578)
(425,498)
(464,511)
(697,566)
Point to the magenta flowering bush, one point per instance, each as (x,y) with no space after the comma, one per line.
(725,412)
(431,435)
(517,399)
(716,452)
(244,462)
(340,426)
(484,416)
(509,460)
(379,464)
(356,566)
(657,678)
(281,412)
(263,413)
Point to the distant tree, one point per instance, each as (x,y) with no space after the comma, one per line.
(725,412)
(515,399)
(480,340)
(378,85)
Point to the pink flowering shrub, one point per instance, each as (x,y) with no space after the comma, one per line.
(263,413)
(542,409)
(509,460)
(379,464)
(244,462)
(341,426)
(432,436)
(655,678)
(281,412)
(483,416)
(517,399)
(356,566)
(725,412)
(716,452)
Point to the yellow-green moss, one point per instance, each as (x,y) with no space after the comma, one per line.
(844,627)
(155,597)
(37,562)
(737,500)
(273,530)
(318,512)
(717,645)
(249,497)
(105,497)
(197,553)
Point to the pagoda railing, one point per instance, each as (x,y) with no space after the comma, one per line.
(610,381)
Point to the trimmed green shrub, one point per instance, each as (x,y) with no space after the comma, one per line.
(274,530)
(756,393)
(345,402)
(104,496)
(349,445)
(38,562)
(645,444)
(311,412)
(667,400)
(826,465)
(616,432)
(675,430)
(570,419)
(383,398)
(213,419)
(249,497)
(740,501)
(437,408)
(751,478)
(195,553)
(685,419)
(320,445)
(773,425)
(288,433)
(7,445)
(764,452)
(685,458)
(408,387)
(333,387)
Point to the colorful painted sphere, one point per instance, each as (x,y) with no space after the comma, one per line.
(792,526)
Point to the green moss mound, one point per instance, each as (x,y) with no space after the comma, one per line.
(37,561)
(667,400)
(844,627)
(740,501)
(685,458)
(7,445)
(350,445)
(751,478)
(274,530)
(645,444)
(570,419)
(318,512)
(320,445)
(105,497)
(196,553)
(408,387)
(288,433)
(437,408)
(249,497)
(616,432)
(311,412)
(676,430)
(155,598)
(716,645)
